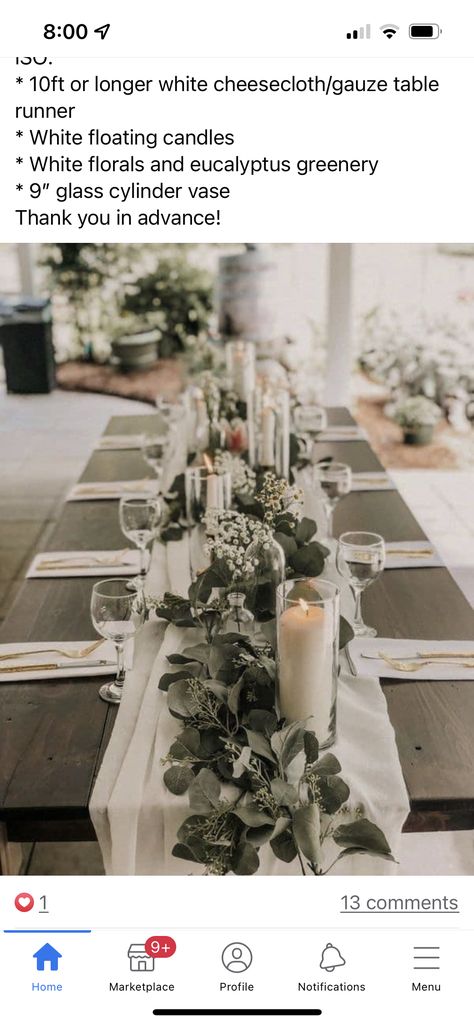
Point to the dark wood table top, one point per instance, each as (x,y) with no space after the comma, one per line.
(53,735)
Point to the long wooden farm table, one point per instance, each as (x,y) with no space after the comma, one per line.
(53,735)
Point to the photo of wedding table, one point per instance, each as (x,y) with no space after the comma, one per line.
(53,735)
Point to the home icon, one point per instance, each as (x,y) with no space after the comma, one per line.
(47,955)
(140,961)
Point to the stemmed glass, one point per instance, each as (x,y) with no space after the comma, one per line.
(335,481)
(156,449)
(360,558)
(309,422)
(116,614)
(139,518)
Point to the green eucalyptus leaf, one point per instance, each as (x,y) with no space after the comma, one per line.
(233,696)
(305,530)
(181,702)
(364,834)
(287,542)
(181,850)
(259,835)
(309,560)
(284,847)
(311,747)
(260,745)
(334,793)
(306,831)
(252,815)
(328,765)
(197,653)
(178,778)
(348,852)
(229,671)
(204,792)
(262,721)
(186,745)
(245,861)
(288,743)
(284,793)
(168,679)
(211,743)
(242,763)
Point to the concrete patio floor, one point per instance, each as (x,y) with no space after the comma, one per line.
(45,440)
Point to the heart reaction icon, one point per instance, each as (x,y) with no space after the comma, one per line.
(24,902)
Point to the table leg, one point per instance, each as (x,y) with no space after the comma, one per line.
(10,854)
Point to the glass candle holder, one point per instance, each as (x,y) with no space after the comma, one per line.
(240,364)
(308,654)
(269,430)
(204,490)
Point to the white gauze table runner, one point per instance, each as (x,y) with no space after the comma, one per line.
(136,818)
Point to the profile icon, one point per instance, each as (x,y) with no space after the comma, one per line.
(237,957)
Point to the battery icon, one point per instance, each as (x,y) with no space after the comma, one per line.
(424,31)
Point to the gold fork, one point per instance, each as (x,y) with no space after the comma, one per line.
(75,653)
(412,667)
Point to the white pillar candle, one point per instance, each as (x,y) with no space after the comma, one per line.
(305,652)
(267,447)
(213,492)
(243,375)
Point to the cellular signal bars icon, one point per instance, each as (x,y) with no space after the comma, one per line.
(359,33)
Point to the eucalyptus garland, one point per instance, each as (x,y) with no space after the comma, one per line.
(251,779)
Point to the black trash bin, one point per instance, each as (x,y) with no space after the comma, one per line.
(26,339)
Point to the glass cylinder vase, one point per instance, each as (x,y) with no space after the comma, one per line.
(240,364)
(308,654)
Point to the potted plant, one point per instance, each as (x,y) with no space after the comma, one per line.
(178,293)
(417,417)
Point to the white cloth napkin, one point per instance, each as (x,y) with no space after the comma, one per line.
(85,564)
(88,491)
(105,652)
(372,480)
(398,557)
(136,818)
(342,433)
(402,649)
(119,442)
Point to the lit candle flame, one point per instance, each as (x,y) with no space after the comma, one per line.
(304,605)
(208,463)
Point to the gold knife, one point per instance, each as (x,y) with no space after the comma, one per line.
(49,666)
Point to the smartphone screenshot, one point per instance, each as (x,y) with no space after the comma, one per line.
(236,512)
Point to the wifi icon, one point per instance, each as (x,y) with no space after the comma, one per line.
(389,30)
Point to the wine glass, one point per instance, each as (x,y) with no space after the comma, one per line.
(116,614)
(360,558)
(335,481)
(309,422)
(139,518)
(156,449)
